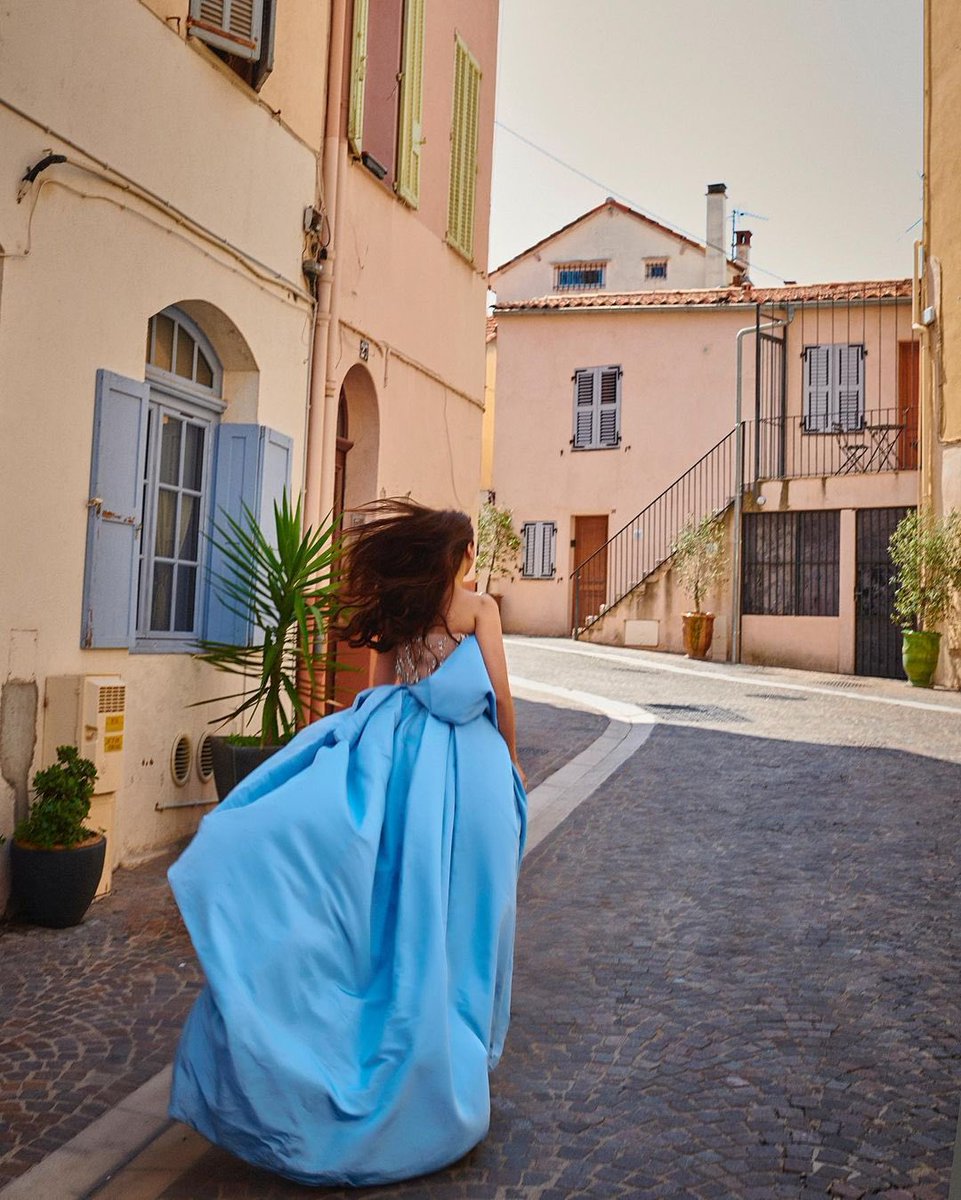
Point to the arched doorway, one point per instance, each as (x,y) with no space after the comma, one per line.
(355,484)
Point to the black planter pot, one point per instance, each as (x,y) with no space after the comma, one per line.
(232,763)
(55,887)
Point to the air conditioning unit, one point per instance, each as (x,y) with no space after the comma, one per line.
(89,712)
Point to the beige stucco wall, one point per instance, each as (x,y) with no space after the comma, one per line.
(101,260)
(612,236)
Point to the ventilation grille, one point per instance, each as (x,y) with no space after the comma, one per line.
(112,699)
(205,759)
(180,757)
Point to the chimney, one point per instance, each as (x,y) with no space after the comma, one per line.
(715,264)
(742,253)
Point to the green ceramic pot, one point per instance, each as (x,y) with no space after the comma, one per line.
(919,654)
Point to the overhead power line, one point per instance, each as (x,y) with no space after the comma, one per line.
(610,191)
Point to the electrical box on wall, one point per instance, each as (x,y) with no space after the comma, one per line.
(89,712)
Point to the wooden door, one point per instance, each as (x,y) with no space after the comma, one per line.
(908,398)
(589,591)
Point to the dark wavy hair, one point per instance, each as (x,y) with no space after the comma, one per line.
(399,570)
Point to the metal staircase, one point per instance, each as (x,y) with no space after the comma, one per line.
(630,557)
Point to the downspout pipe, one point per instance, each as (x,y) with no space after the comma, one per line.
(321,424)
(757,327)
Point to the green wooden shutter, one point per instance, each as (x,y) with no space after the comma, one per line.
(410,136)
(358,77)
(463,151)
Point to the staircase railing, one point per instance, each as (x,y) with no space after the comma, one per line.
(644,543)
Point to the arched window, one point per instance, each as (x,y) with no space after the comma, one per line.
(185,380)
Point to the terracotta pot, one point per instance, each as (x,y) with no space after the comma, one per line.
(698,633)
(919,654)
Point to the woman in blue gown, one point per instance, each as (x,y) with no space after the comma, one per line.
(352,902)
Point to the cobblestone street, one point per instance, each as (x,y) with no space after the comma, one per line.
(737,962)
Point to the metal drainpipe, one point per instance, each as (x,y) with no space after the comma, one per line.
(321,424)
(776,323)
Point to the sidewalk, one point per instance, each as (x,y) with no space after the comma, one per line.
(88,1015)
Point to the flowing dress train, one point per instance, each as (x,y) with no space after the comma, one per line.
(352,903)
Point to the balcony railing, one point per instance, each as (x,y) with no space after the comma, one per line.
(883,439)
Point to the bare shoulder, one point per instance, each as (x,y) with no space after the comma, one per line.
(486,610)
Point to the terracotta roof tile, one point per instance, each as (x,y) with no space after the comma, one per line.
(863,290)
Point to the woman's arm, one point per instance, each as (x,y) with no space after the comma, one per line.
(490,638)
(385,668)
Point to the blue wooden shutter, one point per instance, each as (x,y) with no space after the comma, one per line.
(235,26)
(584,408)
(848,387)
(252,471)
(609,406)
(114,511)
(817,388)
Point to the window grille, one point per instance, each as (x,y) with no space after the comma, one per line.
(579,276)
(655,269)
(792,564)
(539,542)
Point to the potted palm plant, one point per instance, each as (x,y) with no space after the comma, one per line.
(55,860)
(926,550)
(699,563)
(284,588)
(497,545)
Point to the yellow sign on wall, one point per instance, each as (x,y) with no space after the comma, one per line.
(114,723)
(113,743)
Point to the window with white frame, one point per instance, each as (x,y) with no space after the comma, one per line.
(833,388)
(655,268)
(579,276)
(241,32)
(185,406)
(539,549)
(597,408)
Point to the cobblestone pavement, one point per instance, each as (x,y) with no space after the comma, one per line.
(88,1014)
(737,963)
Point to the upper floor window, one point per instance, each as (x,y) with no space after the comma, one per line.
(833,388)
(655,268)
(579,276)
(597,408)
(384,114)
(241,32)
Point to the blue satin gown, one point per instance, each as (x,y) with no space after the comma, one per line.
(352,904)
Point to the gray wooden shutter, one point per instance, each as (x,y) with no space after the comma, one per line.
(114,511)
(817,388)
(848,387)
(252,471)
(584,408)
(529,535)
(235,26)
(548,544)
(609,406)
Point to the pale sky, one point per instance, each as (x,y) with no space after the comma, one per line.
(809,110)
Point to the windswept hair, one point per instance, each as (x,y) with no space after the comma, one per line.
(399,570)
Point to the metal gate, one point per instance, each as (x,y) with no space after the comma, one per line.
(767,454)
(877,639)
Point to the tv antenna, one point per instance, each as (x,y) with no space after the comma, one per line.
(736,214)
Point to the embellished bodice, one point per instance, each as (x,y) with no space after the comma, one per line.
(421,657)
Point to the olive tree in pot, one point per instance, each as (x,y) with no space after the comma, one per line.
(498,545)
(699,563)
(283,588)
(55,860)
(926,551)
